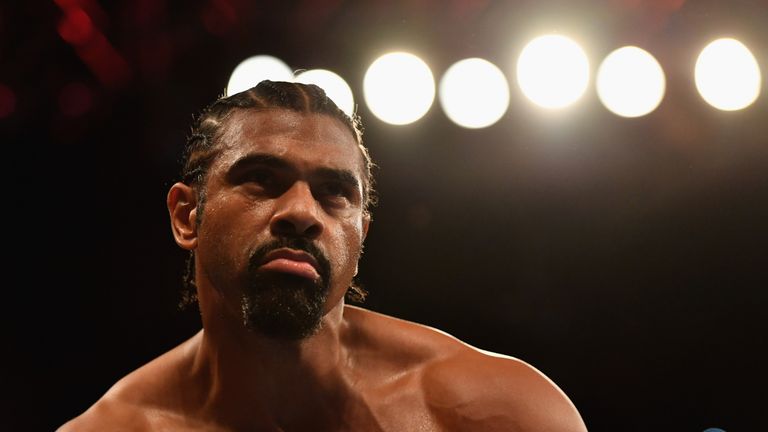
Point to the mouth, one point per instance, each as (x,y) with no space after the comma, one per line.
(291,261)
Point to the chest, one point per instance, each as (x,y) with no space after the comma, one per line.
(399,405)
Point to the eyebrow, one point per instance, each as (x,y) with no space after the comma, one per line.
(272,161)
(259,159)
(340,175)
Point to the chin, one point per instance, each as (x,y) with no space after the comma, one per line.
(284,306)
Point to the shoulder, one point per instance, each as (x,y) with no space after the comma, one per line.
(479,390)
(109,414)
(466,388)
(404,342)
(136,402)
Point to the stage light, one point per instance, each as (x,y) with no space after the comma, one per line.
(553,71)
(630,82)
(727,75)
(253,70)
(474,93)
(399,88)
(76,27)
(335,87)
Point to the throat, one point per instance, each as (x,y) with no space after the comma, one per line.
(253,382)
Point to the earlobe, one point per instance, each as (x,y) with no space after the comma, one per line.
(182,209)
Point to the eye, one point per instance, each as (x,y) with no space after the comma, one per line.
(334,189)
(263,177)
(335,193)
(261,181)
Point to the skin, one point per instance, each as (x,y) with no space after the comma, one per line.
(362,371)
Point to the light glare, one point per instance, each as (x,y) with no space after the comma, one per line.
(474,93)
(727,75)
(630,82)
(335,87)
(254,70)
(399,88)
(553,71)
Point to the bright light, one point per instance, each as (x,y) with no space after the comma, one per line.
(474,93)
(553,71)
(630,82)
(335,87)
(399,88)
(727,75)
(254,70)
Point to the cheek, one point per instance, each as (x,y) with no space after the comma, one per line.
(348,247)
(228,234)
(216,251)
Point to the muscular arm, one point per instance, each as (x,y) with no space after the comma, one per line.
(477,391)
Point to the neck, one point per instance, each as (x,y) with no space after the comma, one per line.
(252,378)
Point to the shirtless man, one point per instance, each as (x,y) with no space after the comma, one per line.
(274,208)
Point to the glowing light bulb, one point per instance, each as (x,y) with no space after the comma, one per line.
(399,88)
(474,93)
(630,82)
(553,71)
(727,75)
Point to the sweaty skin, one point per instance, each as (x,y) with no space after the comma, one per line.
(277,175)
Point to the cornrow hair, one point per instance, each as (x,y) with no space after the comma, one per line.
(202,149)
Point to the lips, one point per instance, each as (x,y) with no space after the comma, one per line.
(295,262)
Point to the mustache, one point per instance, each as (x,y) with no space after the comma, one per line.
(296,243)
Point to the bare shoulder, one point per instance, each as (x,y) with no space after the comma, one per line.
(109,414)
(138,401)
(479,390)
(466,388)
(406,339)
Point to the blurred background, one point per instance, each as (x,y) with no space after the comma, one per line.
(622,255)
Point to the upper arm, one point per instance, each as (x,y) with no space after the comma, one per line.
(480,392)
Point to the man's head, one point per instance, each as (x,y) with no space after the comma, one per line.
(275,203)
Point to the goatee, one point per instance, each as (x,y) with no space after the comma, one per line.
(285,306)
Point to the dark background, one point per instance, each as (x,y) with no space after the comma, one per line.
(624,258)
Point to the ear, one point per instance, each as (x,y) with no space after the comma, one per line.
(182,208)
(366,225)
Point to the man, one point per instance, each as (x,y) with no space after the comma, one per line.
(274,208)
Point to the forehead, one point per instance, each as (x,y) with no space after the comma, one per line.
(301,138)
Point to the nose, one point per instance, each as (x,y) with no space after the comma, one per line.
(296,213)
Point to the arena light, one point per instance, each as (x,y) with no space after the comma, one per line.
(399,88)
(335,87)
(630,82)
(727,75)
(553,71)
(474,93)
(253,70)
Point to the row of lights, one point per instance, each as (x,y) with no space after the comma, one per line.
(552,71)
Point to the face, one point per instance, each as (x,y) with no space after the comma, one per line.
(283,223)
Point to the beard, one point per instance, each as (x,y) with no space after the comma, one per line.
(285,306)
